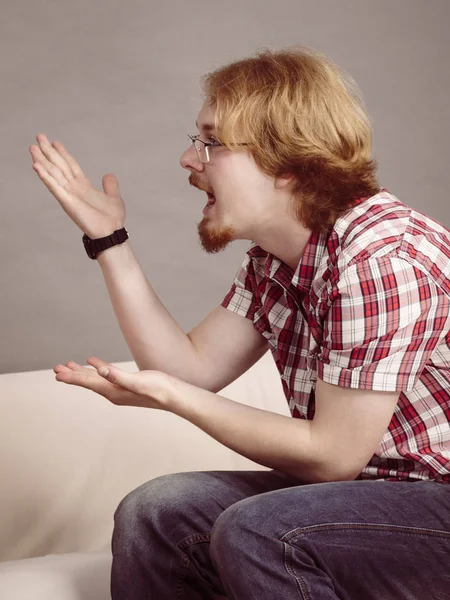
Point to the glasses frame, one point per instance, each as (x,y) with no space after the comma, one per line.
(215,144)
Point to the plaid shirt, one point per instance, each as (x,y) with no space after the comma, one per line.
(367,307)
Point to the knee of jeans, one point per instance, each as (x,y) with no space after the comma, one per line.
(162,494)
(230,531)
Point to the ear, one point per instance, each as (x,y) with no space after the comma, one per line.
(284,181)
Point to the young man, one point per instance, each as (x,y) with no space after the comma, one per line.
(349,288)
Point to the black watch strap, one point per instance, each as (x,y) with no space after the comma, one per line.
(94,247)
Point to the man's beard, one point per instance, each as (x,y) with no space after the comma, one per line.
(213,238)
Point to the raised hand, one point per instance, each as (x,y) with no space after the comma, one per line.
(96,213)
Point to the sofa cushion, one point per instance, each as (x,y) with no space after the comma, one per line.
(68,456)
(74,576)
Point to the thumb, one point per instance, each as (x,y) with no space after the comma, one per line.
(116,376)
(110,185)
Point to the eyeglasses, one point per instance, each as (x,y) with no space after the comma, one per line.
(202,148)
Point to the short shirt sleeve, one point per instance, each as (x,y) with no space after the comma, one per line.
(384,320)
(241,298)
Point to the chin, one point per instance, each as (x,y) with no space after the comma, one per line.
(214,238)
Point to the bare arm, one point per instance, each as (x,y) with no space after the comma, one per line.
(212,355)
(335,445)
(216,352)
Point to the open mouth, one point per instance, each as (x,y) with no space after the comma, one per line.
(210,203)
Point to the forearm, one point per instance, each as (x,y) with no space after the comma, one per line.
(269,439)
(155,339)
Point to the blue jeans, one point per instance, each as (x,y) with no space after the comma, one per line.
(260,535)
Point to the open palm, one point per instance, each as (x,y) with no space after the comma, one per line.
(145,388)
(96,213)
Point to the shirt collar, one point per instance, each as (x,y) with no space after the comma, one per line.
(319,244)
(306,269)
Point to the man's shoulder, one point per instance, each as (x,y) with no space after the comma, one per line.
(383,224)
(382,227)
(371,224)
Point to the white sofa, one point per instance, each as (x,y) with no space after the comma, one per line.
(67,458)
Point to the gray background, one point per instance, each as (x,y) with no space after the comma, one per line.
(118,84)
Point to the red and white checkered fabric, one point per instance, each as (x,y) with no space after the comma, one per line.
(367,307)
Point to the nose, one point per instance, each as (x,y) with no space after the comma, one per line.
(189,160)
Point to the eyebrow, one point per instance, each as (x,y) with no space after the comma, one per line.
(206,127)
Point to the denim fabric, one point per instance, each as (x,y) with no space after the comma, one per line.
(260,535)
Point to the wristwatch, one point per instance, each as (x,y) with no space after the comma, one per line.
(94,247)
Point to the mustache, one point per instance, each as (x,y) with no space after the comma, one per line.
(195,181)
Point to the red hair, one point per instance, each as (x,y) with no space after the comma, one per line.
(300,115)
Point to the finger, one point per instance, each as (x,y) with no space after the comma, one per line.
(88,379)
(76,367)
(60,368)
(92,381)
(54,170)
(72,366)
(54,156)
(119,377)
(55,186)
(74,166)
(97,362)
